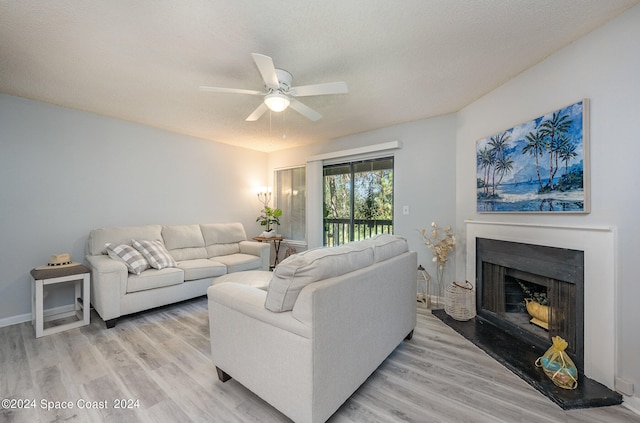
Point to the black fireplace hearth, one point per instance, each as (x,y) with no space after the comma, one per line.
(520,356)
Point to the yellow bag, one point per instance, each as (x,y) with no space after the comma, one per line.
(558,366)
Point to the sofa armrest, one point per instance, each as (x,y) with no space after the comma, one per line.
(269,353)
(260,249)
(249,301)
(108,277)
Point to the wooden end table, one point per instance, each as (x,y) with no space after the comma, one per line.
(276,245)
(40,278)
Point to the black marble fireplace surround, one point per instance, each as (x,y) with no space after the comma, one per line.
(499,331)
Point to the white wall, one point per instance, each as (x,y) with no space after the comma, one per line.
(424,172)
(604,67)
(64,172)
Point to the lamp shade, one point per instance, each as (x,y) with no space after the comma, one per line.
(277,102)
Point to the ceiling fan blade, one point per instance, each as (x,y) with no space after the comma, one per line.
(259,111)
(304,110)
(320,89)
(231,90)
(267,70)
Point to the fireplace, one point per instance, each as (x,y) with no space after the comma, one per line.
(592,303)
(507,273)
(599,284)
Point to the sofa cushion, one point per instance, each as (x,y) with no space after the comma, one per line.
(299,270)
(239,262)
(257,278)
(223,233)
(184,242)
(386,246)
(128,255)
(99,238)
(216,250)
(154,278)
(155,253)
(201,268)
(222,238)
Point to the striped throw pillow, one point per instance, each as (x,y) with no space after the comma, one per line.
(155,252)
(134,261)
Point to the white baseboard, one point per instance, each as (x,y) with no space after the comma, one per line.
(632,403)
(21,318)
(14,320)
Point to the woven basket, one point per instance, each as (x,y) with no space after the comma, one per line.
(459,301)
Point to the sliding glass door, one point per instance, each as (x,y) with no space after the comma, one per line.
(358,200)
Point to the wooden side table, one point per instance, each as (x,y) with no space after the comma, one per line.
(40,278)
(276,245)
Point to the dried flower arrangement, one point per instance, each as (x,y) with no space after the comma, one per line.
(441,247)
(535,292)
(441,243)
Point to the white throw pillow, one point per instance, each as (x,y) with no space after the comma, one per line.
(386,246)
(299,270)
(128,255)
(155,252)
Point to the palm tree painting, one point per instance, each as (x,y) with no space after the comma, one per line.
(539,166)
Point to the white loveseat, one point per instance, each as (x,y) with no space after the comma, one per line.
(201,254)
(328,319)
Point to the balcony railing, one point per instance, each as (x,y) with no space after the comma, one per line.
(338,231)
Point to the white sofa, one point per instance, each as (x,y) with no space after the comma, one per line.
(327,320)
(201,252)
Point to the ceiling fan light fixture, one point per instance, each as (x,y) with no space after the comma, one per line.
(277,102)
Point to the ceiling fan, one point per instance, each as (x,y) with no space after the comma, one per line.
(279,93)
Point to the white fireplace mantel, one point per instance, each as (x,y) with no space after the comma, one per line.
(598,244)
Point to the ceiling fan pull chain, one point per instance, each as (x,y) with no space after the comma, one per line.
(284,127)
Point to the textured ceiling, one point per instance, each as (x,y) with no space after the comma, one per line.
(144,60)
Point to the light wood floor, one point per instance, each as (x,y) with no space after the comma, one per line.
(161,359)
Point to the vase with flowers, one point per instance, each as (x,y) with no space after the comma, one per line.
(441,242)
(537,303)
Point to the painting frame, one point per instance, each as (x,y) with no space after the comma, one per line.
(540,166)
